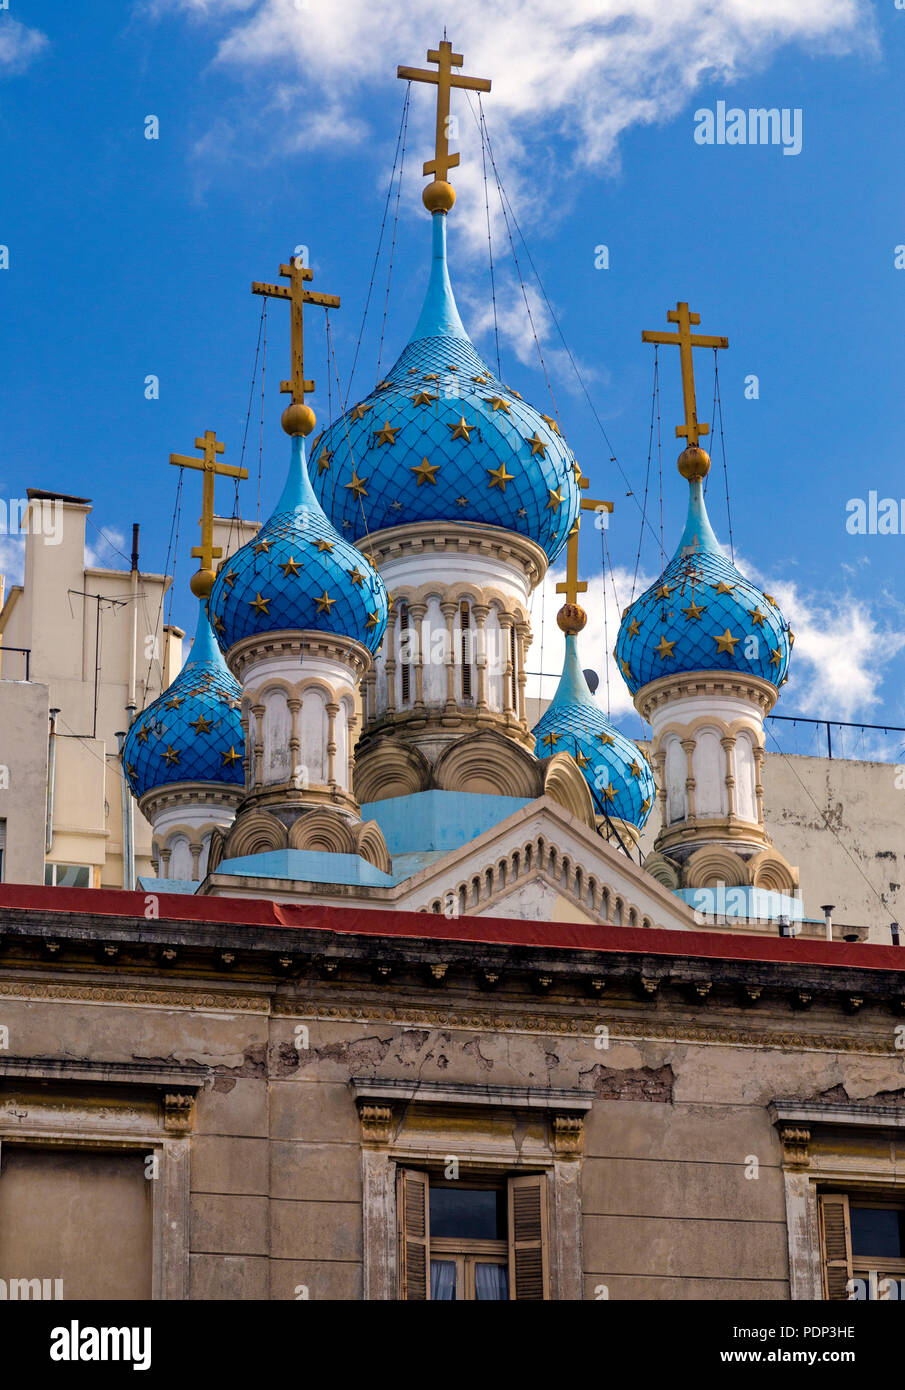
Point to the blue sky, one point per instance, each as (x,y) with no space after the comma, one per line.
(278,120)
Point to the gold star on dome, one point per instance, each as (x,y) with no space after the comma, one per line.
(373,620)
(775,656)
(723,587)
(499,477)
(356,577)
(171,757)
(323,463)
(550,740)
(770,599)
(498,403)
(262,547)
(200,725)
(424,398)
(634,628)
(383,385)
(217,623)
(548,420)
(325,546)
(609,793)
(791,638)
(130,769)
(229,578)
(173,703)
(413,371)
(576,469)
(665,649)
(387,434)
(425,471)
(645,805)
(725,642)
(481,380)
(259,604)
(693,611)
(461,501)
(554,500)
(360,411)
(291,566)
(460,430)
(537,445)
(664,591)
(357,485)
(231,757)
(580,758)
(142,735)
(635,769)
(757,617)
(512,393)
(431,376)
(605,739)
(625,669)
(325,602)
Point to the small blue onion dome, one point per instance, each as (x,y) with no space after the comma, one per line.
(615,769)
(702,615)
(193,731)
(443,439)
(298,575)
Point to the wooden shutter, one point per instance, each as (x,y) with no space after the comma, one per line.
(406,670)
(529,1275)
(835,1245)
(413,1211)
(465,629)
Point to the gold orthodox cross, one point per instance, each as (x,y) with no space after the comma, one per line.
(444,79)
(685,340)
(573,586)
(207,552)
(298,296)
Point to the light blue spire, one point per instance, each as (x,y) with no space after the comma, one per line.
(698,534)
(572,688)
(297,491)
(204,647)
(439,315)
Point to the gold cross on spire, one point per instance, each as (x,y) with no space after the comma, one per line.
(298,418)
(439,196)
(685,340)
(573,586)
(207,552)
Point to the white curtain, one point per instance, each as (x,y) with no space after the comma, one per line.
(443,1279)
(491,1281)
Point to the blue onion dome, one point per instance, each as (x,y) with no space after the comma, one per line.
(193,731)
(615,769)
(443,439)
(702,614)
(298,575)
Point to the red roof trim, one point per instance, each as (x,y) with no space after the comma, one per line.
(365,921)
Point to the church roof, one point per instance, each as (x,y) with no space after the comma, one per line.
(192,732)
(615,769)
(702,614)
(444,439)
(298,574)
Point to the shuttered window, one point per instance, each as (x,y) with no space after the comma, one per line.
(836,1244)
(406,673)
(465,630)
(2,846)
(528,1261)
(488,1241)
(414,1234)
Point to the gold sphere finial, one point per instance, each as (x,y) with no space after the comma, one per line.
(439,196)
(201,583)
(571,617)
(694,463)
(298,419)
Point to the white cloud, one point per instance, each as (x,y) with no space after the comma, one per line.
(106,551)
(576,71)
(12,559)
(517,327)
(18,45)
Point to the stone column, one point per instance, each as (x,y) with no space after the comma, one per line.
(479,613)
(332,711)
(258,746)
(728,744)
(507,621)
(759,755)
(417,612)
(523,634)
(449,609)
(688,744)
(390,640)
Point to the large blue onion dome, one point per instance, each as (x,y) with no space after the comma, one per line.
(615,769)
(443,439)
(298,575)
(193,731)
(702,614)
